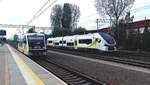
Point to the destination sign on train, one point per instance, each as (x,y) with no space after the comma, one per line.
(36,38)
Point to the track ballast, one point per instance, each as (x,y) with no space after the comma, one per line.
(70,76)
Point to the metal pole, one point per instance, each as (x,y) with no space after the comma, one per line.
(23,29)
(97,23)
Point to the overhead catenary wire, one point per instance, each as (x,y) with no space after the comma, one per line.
(140,8)
(39,10)
(141,16)
(132,11)
(42,11)
(88,21)
(135,10)
(39,13)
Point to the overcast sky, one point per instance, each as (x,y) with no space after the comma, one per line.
(21,11)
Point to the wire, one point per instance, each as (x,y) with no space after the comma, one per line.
(132,11)
(87,21)
(89,16)
(41,12)
(140,8)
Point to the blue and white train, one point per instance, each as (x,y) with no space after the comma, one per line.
(100,41)
(32,44)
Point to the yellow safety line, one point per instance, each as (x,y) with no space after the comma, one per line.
(28,74)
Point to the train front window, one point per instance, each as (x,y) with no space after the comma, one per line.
(50,41)
(36,41)
(108,38)
(97,40)
(85,41)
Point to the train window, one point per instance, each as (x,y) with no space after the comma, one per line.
(20,43)
(70,44)
(108,38)
(98,40)
(64,42)
(60,42)
(85,41)
(49,41)
(56,43)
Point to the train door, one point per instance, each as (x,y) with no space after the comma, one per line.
(75,43)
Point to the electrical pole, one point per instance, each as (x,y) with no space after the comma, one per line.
(97,23)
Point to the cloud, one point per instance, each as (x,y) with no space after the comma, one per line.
(18,11)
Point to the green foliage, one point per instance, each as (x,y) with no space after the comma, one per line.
(14,42)
(15,38)
(145,44)
(121,32)
(31,30)
(57,32)
(80,31)
(64,19)
(135,42)
(48,36)
(55,18)
(129,44)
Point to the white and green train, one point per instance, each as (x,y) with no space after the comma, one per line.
(32,44)
(100,41)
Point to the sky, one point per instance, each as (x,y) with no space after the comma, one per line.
(21,11)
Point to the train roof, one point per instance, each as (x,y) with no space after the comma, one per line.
(33,34)
(89,34)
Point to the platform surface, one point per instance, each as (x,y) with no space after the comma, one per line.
(17,69)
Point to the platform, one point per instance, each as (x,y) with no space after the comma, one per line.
(17,69)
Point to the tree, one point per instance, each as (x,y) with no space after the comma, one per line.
(66,19)
(31,30)
(48,36)
(15,38)
(146,40)
(75,16)
(55,17)
(128,18)
(121,32)
(129,44)
(114,9)
(125,39)
(80,31)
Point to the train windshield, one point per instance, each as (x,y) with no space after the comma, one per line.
(109,39)
(36,41)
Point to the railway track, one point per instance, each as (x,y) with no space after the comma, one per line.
(119,57)
(70,76)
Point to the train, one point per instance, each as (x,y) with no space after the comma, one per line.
(32,44)
(99,41)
